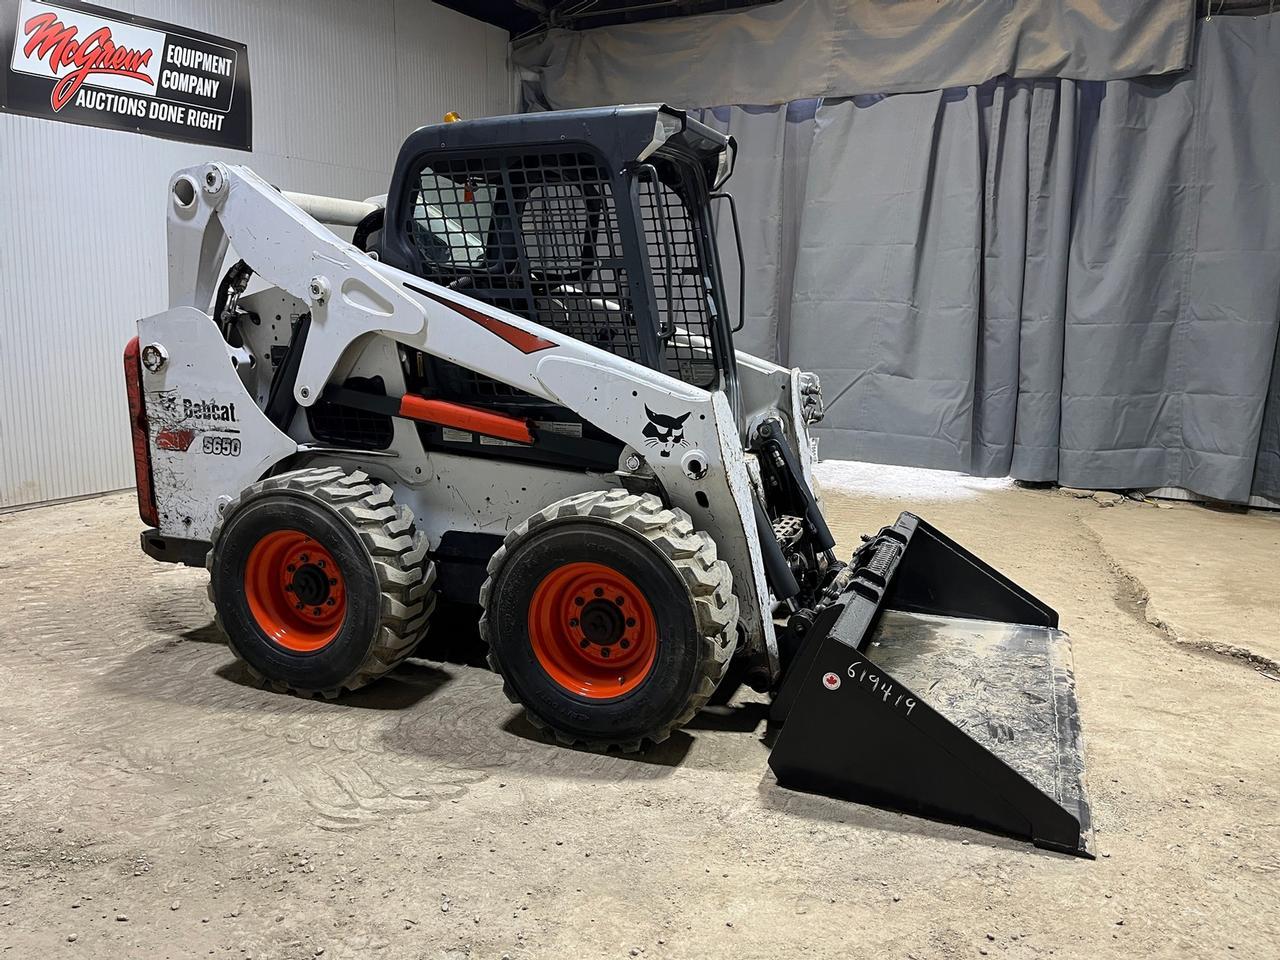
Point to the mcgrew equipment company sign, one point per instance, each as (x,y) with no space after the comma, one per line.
(80,63)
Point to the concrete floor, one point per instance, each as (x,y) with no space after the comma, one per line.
(153,805)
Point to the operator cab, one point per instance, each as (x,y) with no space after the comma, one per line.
(596,223)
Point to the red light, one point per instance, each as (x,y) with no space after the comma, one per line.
(138,427)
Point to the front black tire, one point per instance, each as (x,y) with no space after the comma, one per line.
(643,555)
(338,541)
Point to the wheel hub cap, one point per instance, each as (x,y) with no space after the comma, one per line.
(295,591)
(602,623)
(310,585)
(592,630)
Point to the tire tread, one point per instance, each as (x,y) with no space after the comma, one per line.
(693,554)
(398,553)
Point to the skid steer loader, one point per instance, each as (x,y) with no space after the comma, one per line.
(516,387)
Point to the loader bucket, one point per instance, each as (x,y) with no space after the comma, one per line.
(939,687)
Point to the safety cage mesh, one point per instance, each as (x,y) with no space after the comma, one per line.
(679,282)
(538,234)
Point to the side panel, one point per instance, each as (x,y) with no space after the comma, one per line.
(208,438)
(450,493)
(769,390)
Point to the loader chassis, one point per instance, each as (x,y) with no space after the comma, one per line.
(518,386)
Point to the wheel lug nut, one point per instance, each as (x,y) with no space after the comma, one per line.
(292,568)
(573,622)
(333,581)
(299,606)
(330,601)
(304,558)
(624,644)
(605,651)
(579,601)
(619,601)
(599,591)
(289,587)
(318,611)
(584,644)
(631,621)
(320,564)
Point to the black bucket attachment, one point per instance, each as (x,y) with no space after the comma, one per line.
(937,686)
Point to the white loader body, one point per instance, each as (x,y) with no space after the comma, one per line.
(210,438)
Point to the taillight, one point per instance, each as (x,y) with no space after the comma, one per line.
(138,427)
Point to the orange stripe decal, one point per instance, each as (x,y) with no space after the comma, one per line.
(462,417)
(522,341)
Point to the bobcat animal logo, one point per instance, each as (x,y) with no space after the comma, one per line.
(664,432)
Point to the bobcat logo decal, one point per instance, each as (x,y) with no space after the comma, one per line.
(664,432)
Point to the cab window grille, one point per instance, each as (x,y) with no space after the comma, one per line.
(537,234)
(684,308)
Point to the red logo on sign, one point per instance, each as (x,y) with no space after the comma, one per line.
(831,681)
(55,42)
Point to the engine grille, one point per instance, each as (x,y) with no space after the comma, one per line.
(346,426)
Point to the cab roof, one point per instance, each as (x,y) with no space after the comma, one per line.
(622,134)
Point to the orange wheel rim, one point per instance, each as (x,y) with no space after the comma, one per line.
(295,591)
(592,630)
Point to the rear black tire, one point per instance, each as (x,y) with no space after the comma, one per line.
(384,576)
(674,567)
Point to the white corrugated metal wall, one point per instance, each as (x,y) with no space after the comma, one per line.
(337,84)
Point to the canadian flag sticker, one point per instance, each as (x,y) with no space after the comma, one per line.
(831,681)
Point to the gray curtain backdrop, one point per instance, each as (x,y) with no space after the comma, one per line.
(790,49)
(1054,280)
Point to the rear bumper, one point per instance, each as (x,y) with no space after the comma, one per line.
(190,553)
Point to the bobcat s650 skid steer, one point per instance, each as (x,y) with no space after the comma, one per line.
(516,387)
